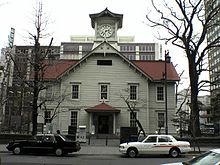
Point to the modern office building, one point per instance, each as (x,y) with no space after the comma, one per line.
(79,46)
(214,60)
(18,96)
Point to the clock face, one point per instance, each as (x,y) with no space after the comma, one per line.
(105,31)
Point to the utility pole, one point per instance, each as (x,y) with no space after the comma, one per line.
(167,60)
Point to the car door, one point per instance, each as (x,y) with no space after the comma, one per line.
(30,146)
(148,145)
(47,144)
(163,145)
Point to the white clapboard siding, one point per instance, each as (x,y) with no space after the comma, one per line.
(89,75)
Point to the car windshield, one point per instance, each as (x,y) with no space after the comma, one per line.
(150,139)
(209,157)
(64,138)
(173,139)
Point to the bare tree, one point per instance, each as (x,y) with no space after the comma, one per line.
(187,24)
(132,108)
(6,73)
(56,99)
(37,62)
(32,73)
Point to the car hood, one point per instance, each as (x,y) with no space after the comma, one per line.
(182,142)
(178,163)
(18,141)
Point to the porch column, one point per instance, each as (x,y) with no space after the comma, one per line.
(114,122)
(90,122)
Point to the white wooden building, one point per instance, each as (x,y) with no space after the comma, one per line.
(91,90)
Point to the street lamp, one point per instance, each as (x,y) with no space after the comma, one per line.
(167,60)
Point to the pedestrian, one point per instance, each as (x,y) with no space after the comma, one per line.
(58,131)
(141,136)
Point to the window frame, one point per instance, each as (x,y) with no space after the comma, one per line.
(74,118)
(158,120)
(47,119)
(78,92)
(107,92)
(159,94)
(132,122)
(49,92)
(130,92)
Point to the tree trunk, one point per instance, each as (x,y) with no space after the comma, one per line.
(34,115)
(194,114)
(35,86)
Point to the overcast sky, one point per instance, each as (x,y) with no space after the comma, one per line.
(71,17)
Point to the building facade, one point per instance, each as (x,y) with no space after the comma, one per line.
(94,80)
(93,91)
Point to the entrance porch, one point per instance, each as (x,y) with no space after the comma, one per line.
(102,120)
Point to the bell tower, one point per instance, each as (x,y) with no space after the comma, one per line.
(106,25)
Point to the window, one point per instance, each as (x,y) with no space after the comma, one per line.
(151,139)
(48,139)
(133,92)
(104,62)
(47,117)
(131,57)
(49,92)
(75,91)
(73,118)
(144,57)
(164,139)
(160,120)
(132,119)
(104,92)
(160,94)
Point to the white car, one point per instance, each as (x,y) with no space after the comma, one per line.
(211,157)
(155,144)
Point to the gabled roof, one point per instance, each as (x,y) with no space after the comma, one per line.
(108,49)
(55,68)
(153,70)
(106,13)
(103,107)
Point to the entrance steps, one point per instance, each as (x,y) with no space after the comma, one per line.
(103,140)
(104,136)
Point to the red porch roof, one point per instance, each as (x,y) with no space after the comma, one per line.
(103,107)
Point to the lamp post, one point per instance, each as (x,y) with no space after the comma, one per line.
(167,60)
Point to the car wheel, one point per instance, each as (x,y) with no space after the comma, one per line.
(59,152)
(132,152)
(17,150)
(174,152)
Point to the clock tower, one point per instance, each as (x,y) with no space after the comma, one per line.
(106,25)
